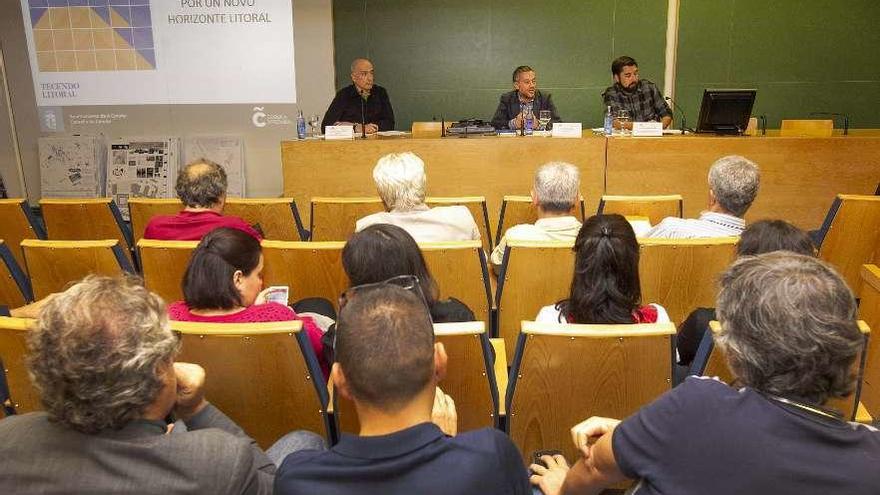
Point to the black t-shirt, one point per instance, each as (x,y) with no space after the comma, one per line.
(706,437)
(348,106)
(418,460)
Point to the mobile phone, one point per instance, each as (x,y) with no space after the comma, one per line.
(278,294)
(536,455)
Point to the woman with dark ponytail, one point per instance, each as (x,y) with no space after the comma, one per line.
(605,287)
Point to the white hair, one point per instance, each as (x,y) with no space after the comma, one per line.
(401,181)
(556,186)
(734,180)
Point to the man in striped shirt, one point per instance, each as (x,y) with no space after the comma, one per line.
(733,185)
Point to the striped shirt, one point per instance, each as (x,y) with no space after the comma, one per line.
(710,224)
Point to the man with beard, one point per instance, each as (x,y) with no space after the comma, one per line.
(638,96)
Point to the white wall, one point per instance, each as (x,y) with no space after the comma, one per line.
(313,32)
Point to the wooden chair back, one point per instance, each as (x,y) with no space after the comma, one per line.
(422,130)
(15,290)
(869,311)
(682,274)
(264,376)
(309,269)
(470,379)
(655,208)
(163,264)
(563,374)
(278,218)
(477,206)
(86,220)
(516,210)
(716,366)
(17,225)
(850,236)
(334,219)
(806,128)
(53,265)
(532,275)
(22,397)
(141,210)
(460,270)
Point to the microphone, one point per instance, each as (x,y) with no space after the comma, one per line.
(834,114)
(364,95)
(763,124)
(680,112)
(442,126)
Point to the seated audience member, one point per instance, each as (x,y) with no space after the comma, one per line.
(733,186)
(400,179)
(102,357)
(764,236)
(201,187)
(554,196)
(789,333)
(605,287)
(389,365)
(525,98)
(223,283)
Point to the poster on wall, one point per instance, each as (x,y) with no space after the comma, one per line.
(72,166)
(133,52)
(142,168)
(227,151)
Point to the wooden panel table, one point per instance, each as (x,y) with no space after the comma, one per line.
(799,176)
(483,166)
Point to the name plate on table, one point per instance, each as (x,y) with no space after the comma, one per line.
(332,132)
(567,130)
(647,129)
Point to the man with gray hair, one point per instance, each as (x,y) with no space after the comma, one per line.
(361,103)
(554,196)
(733,186)
(201,187)
(401,183)
(101,355)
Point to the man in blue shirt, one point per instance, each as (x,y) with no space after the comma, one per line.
(389,365)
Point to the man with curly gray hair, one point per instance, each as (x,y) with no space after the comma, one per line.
(733,186)
(401,183)
(201,187)
(101,355)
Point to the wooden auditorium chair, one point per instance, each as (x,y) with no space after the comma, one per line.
(15,289)
(460,270)
(334,218)
(869,311)
(516,210)
(533,274)
(710,361)
(655,208)
(429,130)
(473,380)
(277,218)
(850,236)
(18,223)
(141,210)
(806,128)
(85,219)
(682,274)
(563,374)
(308,269)
(476,205)
(163,264)
(19,396)
(264,376)
(53,265)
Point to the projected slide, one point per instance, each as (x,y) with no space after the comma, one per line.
(130,52)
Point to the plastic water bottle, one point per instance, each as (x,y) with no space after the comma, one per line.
(608,127)
(300,126)
(528,122)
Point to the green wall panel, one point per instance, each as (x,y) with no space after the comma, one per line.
(455,57)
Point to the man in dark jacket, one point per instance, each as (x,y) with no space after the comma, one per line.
(524,97)
(361,103)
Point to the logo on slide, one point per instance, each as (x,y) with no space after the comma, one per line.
(259,117)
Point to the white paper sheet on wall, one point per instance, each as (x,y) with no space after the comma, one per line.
(225,150)
(142,167)
(72,166)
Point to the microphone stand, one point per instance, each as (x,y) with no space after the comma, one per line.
(363,114)
(763,119)
(680,112)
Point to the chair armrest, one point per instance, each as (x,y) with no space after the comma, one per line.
(500,372)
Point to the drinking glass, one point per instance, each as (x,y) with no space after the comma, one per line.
(315,124)
(544,119)
(622,117)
